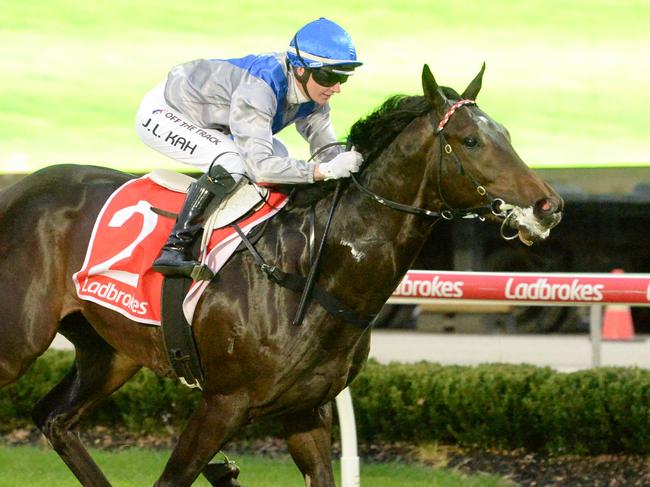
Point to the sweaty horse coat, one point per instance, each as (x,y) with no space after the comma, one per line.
(256,362)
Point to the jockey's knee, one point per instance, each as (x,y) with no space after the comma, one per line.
(229,161)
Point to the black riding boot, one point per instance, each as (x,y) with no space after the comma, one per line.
(175,258)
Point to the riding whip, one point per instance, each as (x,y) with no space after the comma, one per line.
(311,278)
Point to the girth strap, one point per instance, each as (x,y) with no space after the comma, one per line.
(178,337)
(297,283)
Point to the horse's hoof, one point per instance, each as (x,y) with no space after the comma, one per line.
(222,474)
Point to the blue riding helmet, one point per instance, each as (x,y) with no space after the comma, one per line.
(323,43)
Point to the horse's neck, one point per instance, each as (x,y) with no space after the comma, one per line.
(378,241)
(401,174)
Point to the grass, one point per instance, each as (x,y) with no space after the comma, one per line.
(565,78)
(32,466)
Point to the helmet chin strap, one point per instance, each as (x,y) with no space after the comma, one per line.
(303,80)
(305,74)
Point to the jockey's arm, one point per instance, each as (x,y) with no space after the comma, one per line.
(318,131)
(251,121)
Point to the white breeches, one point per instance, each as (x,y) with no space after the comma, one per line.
(170,133)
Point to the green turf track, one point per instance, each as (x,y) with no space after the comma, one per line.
(568,78)
(35,467)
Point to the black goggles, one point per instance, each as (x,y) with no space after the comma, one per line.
(327,78)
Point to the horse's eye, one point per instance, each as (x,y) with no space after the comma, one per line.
(470,141)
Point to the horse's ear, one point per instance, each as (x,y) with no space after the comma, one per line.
(471,92)
(431,89)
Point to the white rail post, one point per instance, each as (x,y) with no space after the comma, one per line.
(595,331)
(350,476)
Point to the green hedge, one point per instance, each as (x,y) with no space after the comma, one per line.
(605,410)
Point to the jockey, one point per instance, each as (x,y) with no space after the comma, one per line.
(220,115)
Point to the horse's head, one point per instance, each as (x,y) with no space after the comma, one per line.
(474,164)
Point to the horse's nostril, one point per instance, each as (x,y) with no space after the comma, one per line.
(545,207)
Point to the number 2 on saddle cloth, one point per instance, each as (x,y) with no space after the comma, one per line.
(128,236)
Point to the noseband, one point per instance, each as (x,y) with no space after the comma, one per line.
(496,206)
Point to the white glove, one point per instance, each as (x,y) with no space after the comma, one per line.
(342,165)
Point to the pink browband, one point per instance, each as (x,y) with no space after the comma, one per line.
(451,111)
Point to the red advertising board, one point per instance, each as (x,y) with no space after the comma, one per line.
(556,289)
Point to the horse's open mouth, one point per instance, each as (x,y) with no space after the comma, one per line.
(530,229)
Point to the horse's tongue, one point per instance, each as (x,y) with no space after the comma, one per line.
(524,239)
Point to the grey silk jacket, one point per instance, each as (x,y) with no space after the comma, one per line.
(254,97)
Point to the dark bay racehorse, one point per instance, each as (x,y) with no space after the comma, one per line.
(432,152)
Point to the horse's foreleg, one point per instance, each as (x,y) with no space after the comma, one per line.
(96,373)
(310,445)
(215,420)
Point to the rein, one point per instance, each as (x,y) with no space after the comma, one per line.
(496,206)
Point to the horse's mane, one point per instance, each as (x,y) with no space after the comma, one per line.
(372,134)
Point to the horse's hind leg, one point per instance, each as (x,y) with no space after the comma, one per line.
(98,370)
(309,441)
(26,331)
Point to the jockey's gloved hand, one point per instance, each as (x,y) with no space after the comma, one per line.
(342,165)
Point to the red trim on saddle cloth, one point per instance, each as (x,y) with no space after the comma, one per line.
(127,238)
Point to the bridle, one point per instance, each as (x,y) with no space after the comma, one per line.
(496,206)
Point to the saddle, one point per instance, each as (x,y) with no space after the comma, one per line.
(245,199)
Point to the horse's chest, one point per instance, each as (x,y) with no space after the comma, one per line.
(312,378)
(307,392)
